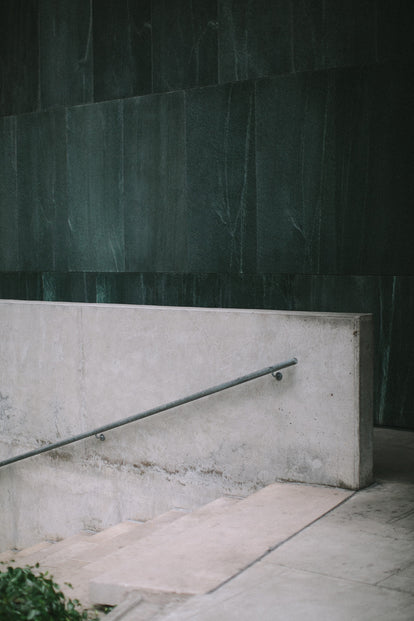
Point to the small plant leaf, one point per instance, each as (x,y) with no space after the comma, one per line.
(25,595)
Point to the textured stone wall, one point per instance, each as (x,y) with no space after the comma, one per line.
(247,153)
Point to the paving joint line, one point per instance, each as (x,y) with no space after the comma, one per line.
(275,547)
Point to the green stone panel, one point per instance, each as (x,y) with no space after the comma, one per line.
(295,171)
(126,288)
(143,288)
(69,287)
(334,171)
(163,289)
(258,38)
(255,39)
(121,48)
(184,43)
(395,338)
(154,184)
(333,33)
(395,27)
(221,188)
(21,286)
(95,182)
(19,53)
(390,170)
(66,62)
(41,189)
(9,249)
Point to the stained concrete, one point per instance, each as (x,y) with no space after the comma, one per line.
(353,562)
(68,368)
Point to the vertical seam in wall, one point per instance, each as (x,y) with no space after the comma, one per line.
(39,70)
(367,399)
(122,182)
(16,190)
(218,41)
(92,71)
(357,402)
(186,201)
(376,31)
(358,421)
(292,33)
(256,206)
(82,370)
(67,223)
(152,46)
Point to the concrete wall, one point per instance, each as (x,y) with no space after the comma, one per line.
(67,368)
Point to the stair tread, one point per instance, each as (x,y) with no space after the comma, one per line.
(214,508)
(16,555)
(66,560)
(7,556)
(95,550)
(41,551)
(205,548)
(116,530)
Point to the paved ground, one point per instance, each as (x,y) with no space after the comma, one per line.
(354,564)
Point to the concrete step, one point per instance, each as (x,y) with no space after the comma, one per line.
(16,555)
(76,566)
(86,547)
(177,554)
(77,559)
(66,559)
(153,529)
(42,552)
(110,540)
(202,550)
(150,606)
(124,534)
(84,564)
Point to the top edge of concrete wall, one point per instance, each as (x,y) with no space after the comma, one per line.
(190,308)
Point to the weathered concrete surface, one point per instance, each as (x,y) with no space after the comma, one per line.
(355,562)
(66,368)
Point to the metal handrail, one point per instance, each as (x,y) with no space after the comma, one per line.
(99,431)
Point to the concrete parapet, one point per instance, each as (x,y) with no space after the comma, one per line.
(67,368)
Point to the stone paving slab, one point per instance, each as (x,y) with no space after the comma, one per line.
(330,549)
(402,580)
(284,594)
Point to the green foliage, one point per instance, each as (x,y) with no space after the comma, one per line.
(25,596)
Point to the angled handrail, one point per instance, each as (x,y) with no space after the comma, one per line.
(161,408)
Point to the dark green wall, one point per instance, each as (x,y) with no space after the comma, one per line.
(246,153)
